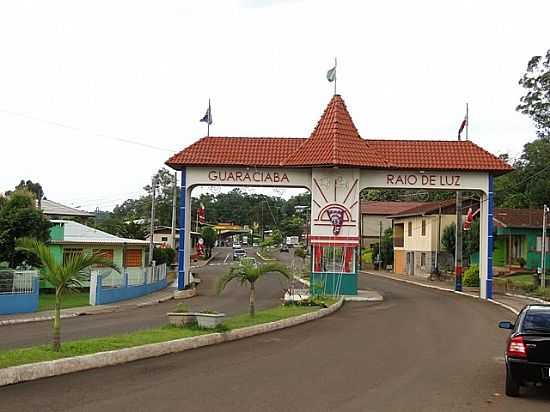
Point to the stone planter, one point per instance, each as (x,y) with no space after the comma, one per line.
(209,320)
(181,318)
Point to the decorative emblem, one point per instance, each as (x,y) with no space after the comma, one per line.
(336,216)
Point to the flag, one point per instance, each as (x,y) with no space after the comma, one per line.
(207,118)
(201,214)
(331,74)
(462,126)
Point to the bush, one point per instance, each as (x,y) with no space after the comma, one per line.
(366,256)
(164,255)
(471,276)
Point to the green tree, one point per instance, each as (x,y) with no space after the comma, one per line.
(209,236)
(536,102)
(63,276)
(277,237)
(448,238)
(164,255)
(247,272)
(386,253)
(292,226)
(19,217)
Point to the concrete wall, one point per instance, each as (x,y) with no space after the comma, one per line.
(11,303)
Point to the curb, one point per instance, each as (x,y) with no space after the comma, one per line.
(100,311)
(206,262)
(538,300)
(34,371)
(411,282)
(264,258)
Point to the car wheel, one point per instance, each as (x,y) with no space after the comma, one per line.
(512,385)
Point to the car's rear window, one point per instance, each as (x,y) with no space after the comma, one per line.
(537,320)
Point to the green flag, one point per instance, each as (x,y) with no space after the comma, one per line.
(331,74)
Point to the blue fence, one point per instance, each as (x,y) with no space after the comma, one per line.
(109,287)
(19,292)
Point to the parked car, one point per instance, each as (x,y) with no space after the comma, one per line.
(236,245)
(238,253)
(284,248)
(255,245)
(528,348)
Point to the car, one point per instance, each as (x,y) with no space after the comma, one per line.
(236,245)
(528,348)
(238,253)
(284,248)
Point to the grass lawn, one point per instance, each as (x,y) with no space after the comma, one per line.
(70,300)
(42,353)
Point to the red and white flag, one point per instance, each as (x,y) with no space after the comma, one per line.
(201,214)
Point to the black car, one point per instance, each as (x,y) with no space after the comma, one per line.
(528,348)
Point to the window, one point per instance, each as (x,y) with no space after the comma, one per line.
(164,239)
(410,229)
(423,227)
(105,254)
(334,259)
(423,259)
(539,243)
(67,252)
(132,258)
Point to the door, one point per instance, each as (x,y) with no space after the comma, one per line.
(410,263)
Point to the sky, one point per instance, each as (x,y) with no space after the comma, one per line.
(95,96)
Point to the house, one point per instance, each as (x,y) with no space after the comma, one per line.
(162,236)
(69,237)
(518,239)
(374,218)
(417,237)
(54,210)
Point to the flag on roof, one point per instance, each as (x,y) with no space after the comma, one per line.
(207,118)
(462,126)
(331,74)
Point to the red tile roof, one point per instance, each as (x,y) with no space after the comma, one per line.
(518,218)
(236,151)
(372,207)
(336,142)
(437,155)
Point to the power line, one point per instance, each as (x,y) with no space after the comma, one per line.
(80,130)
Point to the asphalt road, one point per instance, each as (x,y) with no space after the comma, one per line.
(232,301)
(419,350)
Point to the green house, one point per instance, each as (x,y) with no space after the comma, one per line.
(69,237)
(518,239)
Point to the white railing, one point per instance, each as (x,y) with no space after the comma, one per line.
(109,278)
(17,281)
(156,273)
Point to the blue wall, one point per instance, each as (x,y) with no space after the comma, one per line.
(11,303)
(110,295)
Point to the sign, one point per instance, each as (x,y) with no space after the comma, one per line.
(423,179)
(245,176)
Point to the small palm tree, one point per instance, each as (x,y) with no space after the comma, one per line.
(64,277)
(250,272)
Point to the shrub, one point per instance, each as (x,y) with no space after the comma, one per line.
(164,255)
(471,276)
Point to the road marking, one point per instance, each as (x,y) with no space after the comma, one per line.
(227,257)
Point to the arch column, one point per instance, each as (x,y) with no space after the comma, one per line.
(486,241)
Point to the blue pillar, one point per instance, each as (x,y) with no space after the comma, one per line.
(490,211)
(182,234)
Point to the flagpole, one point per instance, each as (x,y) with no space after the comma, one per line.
(208,120)
(335,75)
(467,121)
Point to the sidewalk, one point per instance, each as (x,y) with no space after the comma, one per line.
(147,300)
(511,302)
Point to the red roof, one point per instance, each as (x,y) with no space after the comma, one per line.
(236,151)
(372,207)
(336,142)
(518,218)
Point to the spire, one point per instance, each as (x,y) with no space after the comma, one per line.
(335,141)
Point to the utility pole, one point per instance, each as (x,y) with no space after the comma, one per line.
(438,241)
(174,209)
(380,246)
(545,210)
(151,242)
(458,242)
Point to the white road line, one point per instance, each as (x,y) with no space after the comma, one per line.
(227,257)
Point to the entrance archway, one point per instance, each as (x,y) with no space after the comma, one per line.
(335,164)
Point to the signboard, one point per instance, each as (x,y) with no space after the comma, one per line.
(249,176)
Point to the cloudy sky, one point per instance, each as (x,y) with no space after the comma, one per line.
(81,80)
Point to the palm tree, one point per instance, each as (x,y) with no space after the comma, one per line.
(250,272)
(65,276)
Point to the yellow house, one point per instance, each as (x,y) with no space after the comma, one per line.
(417,237)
